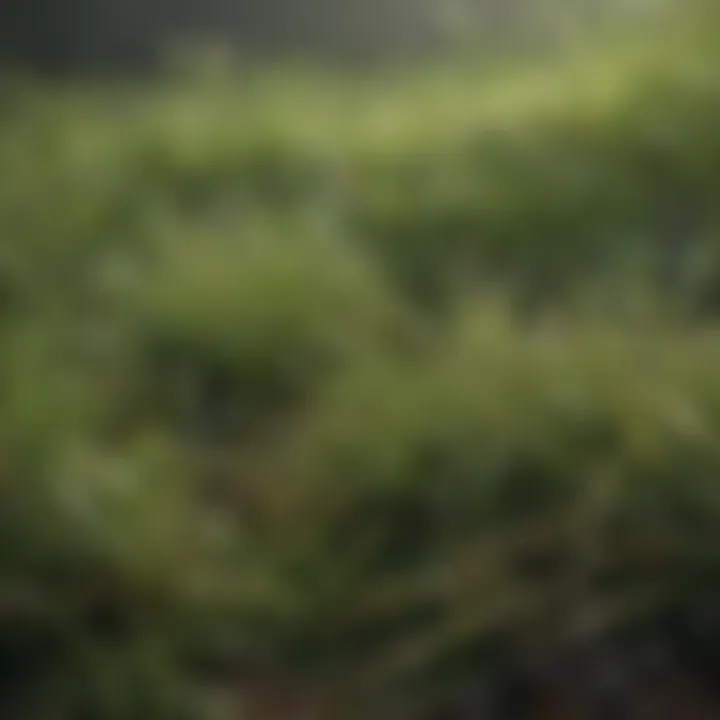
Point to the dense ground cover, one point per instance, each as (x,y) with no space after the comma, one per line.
(350,397)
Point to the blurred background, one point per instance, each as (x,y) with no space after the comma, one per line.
(92,34)
(359,360)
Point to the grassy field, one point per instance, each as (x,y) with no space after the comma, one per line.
(336,398)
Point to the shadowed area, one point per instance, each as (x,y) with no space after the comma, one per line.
(93,35)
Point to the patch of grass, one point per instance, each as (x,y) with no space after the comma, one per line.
(267,405)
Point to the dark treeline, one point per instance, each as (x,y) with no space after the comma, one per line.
(61,35)
(64,34)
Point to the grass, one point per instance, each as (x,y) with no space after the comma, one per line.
(352,390)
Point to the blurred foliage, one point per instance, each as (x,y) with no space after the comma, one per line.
(352,387)
(56,37)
